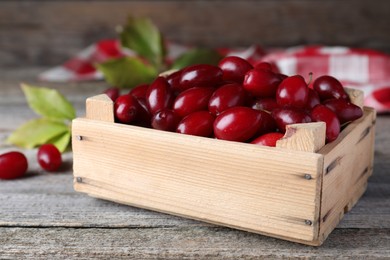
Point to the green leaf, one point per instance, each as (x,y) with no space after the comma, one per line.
(48,103)
(62,141)
(197,56)
(143,37)
(36,132)
(126,72)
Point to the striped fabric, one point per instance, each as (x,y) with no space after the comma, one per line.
(363,69)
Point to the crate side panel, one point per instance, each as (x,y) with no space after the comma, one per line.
(347,166)
(234,184)
(93,188)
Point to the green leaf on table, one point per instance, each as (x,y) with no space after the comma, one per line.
(127,72)
(37,132)
(62,141)
(48,103)
(197,56)
(143,37)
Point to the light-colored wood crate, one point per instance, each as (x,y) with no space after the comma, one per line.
(298,191)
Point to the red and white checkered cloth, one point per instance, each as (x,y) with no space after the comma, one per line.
(363,69)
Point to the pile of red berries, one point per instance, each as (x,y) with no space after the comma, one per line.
(236,101)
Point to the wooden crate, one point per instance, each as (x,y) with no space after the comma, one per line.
(298,191)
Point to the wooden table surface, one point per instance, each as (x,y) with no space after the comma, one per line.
(42,217)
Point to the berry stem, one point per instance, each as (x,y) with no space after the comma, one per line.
(310,78)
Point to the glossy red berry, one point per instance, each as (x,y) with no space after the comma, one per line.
(12,165)
(126,109)
(112,93)
(237,124)
(344,110)
(201,75)
(268,139)
(143,115)
(292,92)
(227,96)
(159,95)
(329,87)
(312,99)
(199,123)
(166,120)
(265,104)
(234,68)
(268,123)
(139,91)
(261,83)
(174,80)
(324,114)
(49,158)
(192,100)
(263,65)
(287,116)
(281,76)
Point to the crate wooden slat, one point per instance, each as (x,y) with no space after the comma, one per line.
(279,192)
(348,162)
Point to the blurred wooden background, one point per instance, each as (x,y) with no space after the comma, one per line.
(43,33)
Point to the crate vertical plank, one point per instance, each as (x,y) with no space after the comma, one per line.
(347,165)
(309,137)
(356,96)
(259,189)
(100,107)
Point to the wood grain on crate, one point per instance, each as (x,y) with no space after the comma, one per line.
(239,185)
(303,137)
(198,174)
(100,108)
(348,162)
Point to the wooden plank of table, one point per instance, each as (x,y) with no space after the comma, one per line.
(183,242)
(41,216)
(56,30)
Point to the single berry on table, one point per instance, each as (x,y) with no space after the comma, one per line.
(13,165)
(49,158)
